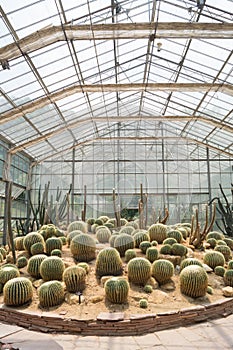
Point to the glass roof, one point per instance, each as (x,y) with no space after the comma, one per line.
(72,70)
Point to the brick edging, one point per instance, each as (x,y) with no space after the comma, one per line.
(111,324)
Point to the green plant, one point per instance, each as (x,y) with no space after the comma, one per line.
(3,252)
(99,222)
(225,250)
(37,248)
(210,290)
(152,254)
(189,261)
(212,242)
(228,277)
(127,229)
(134,224)
(148,288)
(8,272)
(170,241)
(213,259)
(56,252)
(51,293)
(229,242)
(219,270)
(17,291)
(18,241)
(112,240)
(77,226)
(74,278)
(230,265)
(139,271)
(141,236)
(116,290)
(123,242)
(103,218)
(103,234)
(179,249)
(53,243)
(83,247)
(175,234)
(130,254)
(144,245)
(22,261)
(158,232)
(85,266)
(52,268)
(221,242)
(166,249)
(162,270)
(143,303)
(33,267)
(71,235)
(215,234)
(108,262)
(193,281)
(30,239)
(1,258)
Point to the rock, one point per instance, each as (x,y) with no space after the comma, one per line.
(96,299)
(139,297)
(175,259)
(37,283)
(169,286)
(190,253)
(207,268)
(227,291)
(153,283)
(72,299)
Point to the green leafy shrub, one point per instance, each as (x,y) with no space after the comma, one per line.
(158,232)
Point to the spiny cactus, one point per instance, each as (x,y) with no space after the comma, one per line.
(221,242)
(230,265)
(193,281)
(158,232)
(215,234)
(17,291)
(134,224)
(33,267)
(123,221)
(51,293)
(148,288)
(154,243)
(52,268)
(103,234)
(112,240)
(219,271)
(212,242)
(30,239)
(170,241)
(189,261)
(53,243)
(144,245)
(225,250)
(116,290)
(130,254)
(3,252)
(74,278)
(179,249)
(18,241)
(183,231)
(162,270)
(152,254)
(71,235)
(141,236)
(8,272)
(229,242)
(213,259)
(83,247)
(139,271)
(37,248)
(166,249)
(108,262)
(85,266)
(1,258)
(123,242)
(56,252)
(143,303)
(99,222)
(63,240)
(77,225)
(22,261)
(228,277)
(127,229)
(175,234)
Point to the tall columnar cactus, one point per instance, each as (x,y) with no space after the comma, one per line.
(33,267)
(53,243)
(77,225)
(213,259)
(116,290)
(228,277)
(225,250)
(152,254)
(175,234)
(37,248)
(83,247)
(51,293)
(123,242)
(17,291)
(141,236)
(190,261)
(103,234)
(108,262)
(193,281)
(30,239)
(179,249)
(52,268)
(7,273)
(3,252)
(139,271)
(162,270)
(74,278)
(158,232)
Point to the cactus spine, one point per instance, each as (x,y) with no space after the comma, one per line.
(108,262)
(193,281)
(17,291)
(116,290)
(51,293)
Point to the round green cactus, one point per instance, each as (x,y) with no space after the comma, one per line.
(77,226)
(74,278)
(1,258)
(213,259)
(219,271)
(139,271)
(83,248)
(141,236)
(166,249)
(144,245)
(162,270)
(123,242)
(112,240)
(8,272)
(229,242)
(109,225)
(33,266)
(179,249)
(189,261)
(103,234)
(127,229)
(193,281)
(221,242)
(152,254)
(230,264)
(148,288)
(225,250)
(17,291)
(143,303)
(85,266)
(51,293)
(37,248)
(18,241)
(108,262)
(52,268)
(30,239)
(52,243)
(63,240)
(3,252)
(99,222)
(130,254)
(134,224)
(212,242)
(215,234)
(22,261)
(170,241)
(158,232)
(71,235)
(228,277)
(175,234)
(104,218)
(116,290)
(183,231)
(56,252)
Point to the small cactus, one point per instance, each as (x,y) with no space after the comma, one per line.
(8,272)
(77,225)
(170,241)
(219,271)
(30,239)
(130,254)
(189,261)
(144,245)
(52,268)
(85,266)
(56,252)
(228,277)
(143,303)
(37,248)
(162,270)
(139,271)
(33,266)
(158,232)
(123,242)
(83,247)
(179,249)
(213,259)
(225,250)
(103,234)
(17,291)
(108,262)
(18,241)
(141,236)
(193,281)
(22,261)
(229,242)
(148,288)
(52,243)
(116,290)
(166,249)
(215,234)
(212,242)
(152,254)
(3,252)
(230,265)
(112,240)
(127,229)
(175,234)
(74,278)
(71,235)
(51,293)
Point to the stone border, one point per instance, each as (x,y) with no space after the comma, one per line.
(115,324)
